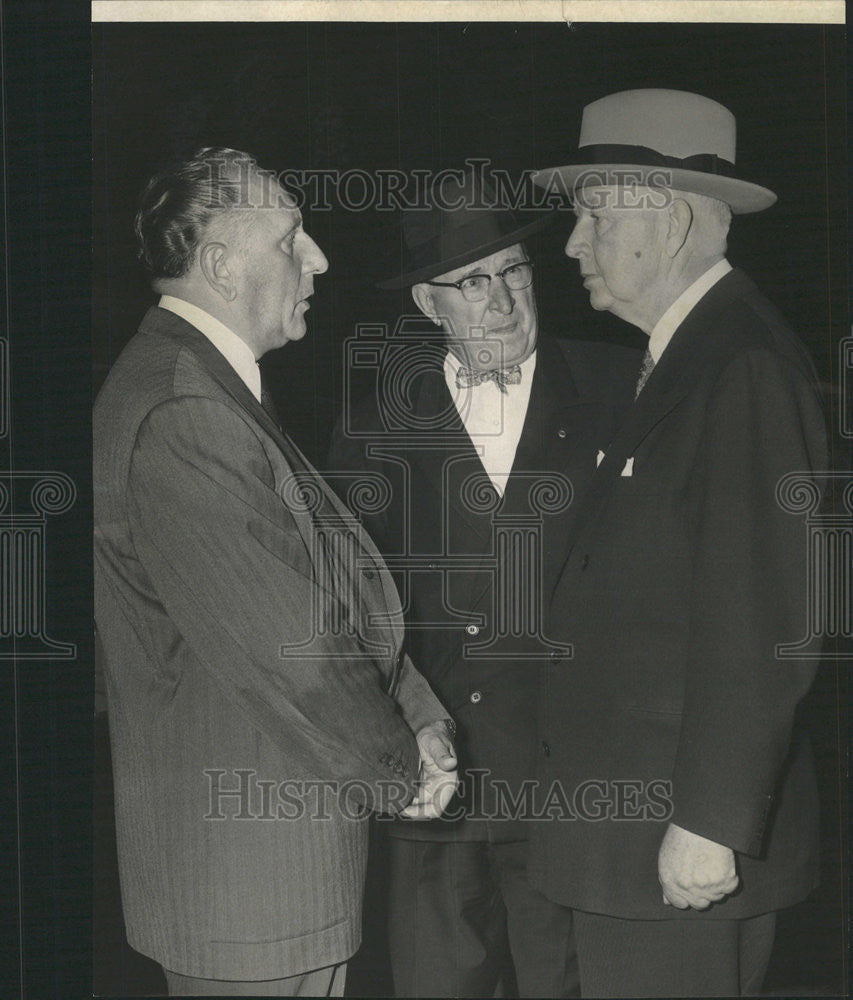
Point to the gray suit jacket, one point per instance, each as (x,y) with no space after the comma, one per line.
(252,638)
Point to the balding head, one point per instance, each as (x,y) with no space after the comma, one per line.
(220,232)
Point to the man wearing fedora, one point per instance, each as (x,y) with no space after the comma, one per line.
(485,417)
(672,724)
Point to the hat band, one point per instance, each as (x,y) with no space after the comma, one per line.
(452,242)
(706,163)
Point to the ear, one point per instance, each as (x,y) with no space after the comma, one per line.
(679,221)
(213,261)
(423,300)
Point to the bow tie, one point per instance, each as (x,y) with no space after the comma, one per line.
(502,377)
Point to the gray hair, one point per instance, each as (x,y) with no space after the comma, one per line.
(181,203)
(712,219)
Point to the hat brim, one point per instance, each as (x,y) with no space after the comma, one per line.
(428,271)
(741,196)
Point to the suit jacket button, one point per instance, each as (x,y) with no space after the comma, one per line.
(476,697)
(472,629)
(585,561)
(546,748)
(561,433)
(433,565)
(369,574)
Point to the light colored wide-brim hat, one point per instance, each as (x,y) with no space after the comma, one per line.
(665,138)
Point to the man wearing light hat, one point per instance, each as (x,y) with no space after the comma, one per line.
(672,723)
(490,405)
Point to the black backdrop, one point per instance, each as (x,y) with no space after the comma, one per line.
(346,96)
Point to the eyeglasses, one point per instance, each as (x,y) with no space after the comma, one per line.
(475,287)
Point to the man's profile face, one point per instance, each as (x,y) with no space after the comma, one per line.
(498,331)
(619,245)
(276,261)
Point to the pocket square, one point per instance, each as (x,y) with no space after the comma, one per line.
(599,458)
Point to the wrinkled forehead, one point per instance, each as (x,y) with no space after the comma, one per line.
(486,265)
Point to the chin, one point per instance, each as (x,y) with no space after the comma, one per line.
(600,303)
(523,352)
(296,332)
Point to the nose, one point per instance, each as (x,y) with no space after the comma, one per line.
(577,241)
(313,259)
(500,297)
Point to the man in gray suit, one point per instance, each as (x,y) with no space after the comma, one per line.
(259,702)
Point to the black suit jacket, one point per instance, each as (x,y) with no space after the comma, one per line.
(446,531)
(682,580)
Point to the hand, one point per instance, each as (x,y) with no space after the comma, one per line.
(693,871)
(437,780)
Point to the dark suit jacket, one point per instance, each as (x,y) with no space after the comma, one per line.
(579,394)
(681,581)
(206,565)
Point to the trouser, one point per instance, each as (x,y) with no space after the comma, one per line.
(463,921)
(327,982)
(690,957)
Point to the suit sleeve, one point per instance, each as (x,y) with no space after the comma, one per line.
(749,595)
(229,565)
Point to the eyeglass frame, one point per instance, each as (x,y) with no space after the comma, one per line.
(480,274)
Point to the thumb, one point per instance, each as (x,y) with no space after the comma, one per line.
(441,752)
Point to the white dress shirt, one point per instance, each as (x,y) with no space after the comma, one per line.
(677,312)
(236,352)
(493,419)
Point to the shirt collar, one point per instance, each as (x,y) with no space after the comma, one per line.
(236,352)
(676,314)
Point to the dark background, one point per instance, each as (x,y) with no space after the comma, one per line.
(343,96)
(309,97)
(338,96)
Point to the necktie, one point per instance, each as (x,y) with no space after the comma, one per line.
(268,403)
(645,370)
(502,377)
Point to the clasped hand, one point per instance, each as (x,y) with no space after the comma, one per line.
(694,871)
(437,779)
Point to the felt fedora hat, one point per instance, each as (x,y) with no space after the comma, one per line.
(664,138)
(462,223)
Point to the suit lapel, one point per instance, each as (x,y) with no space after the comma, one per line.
(168,324)
(672,378)
(557,440)
(164,323)
(548,441)
(445,460)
